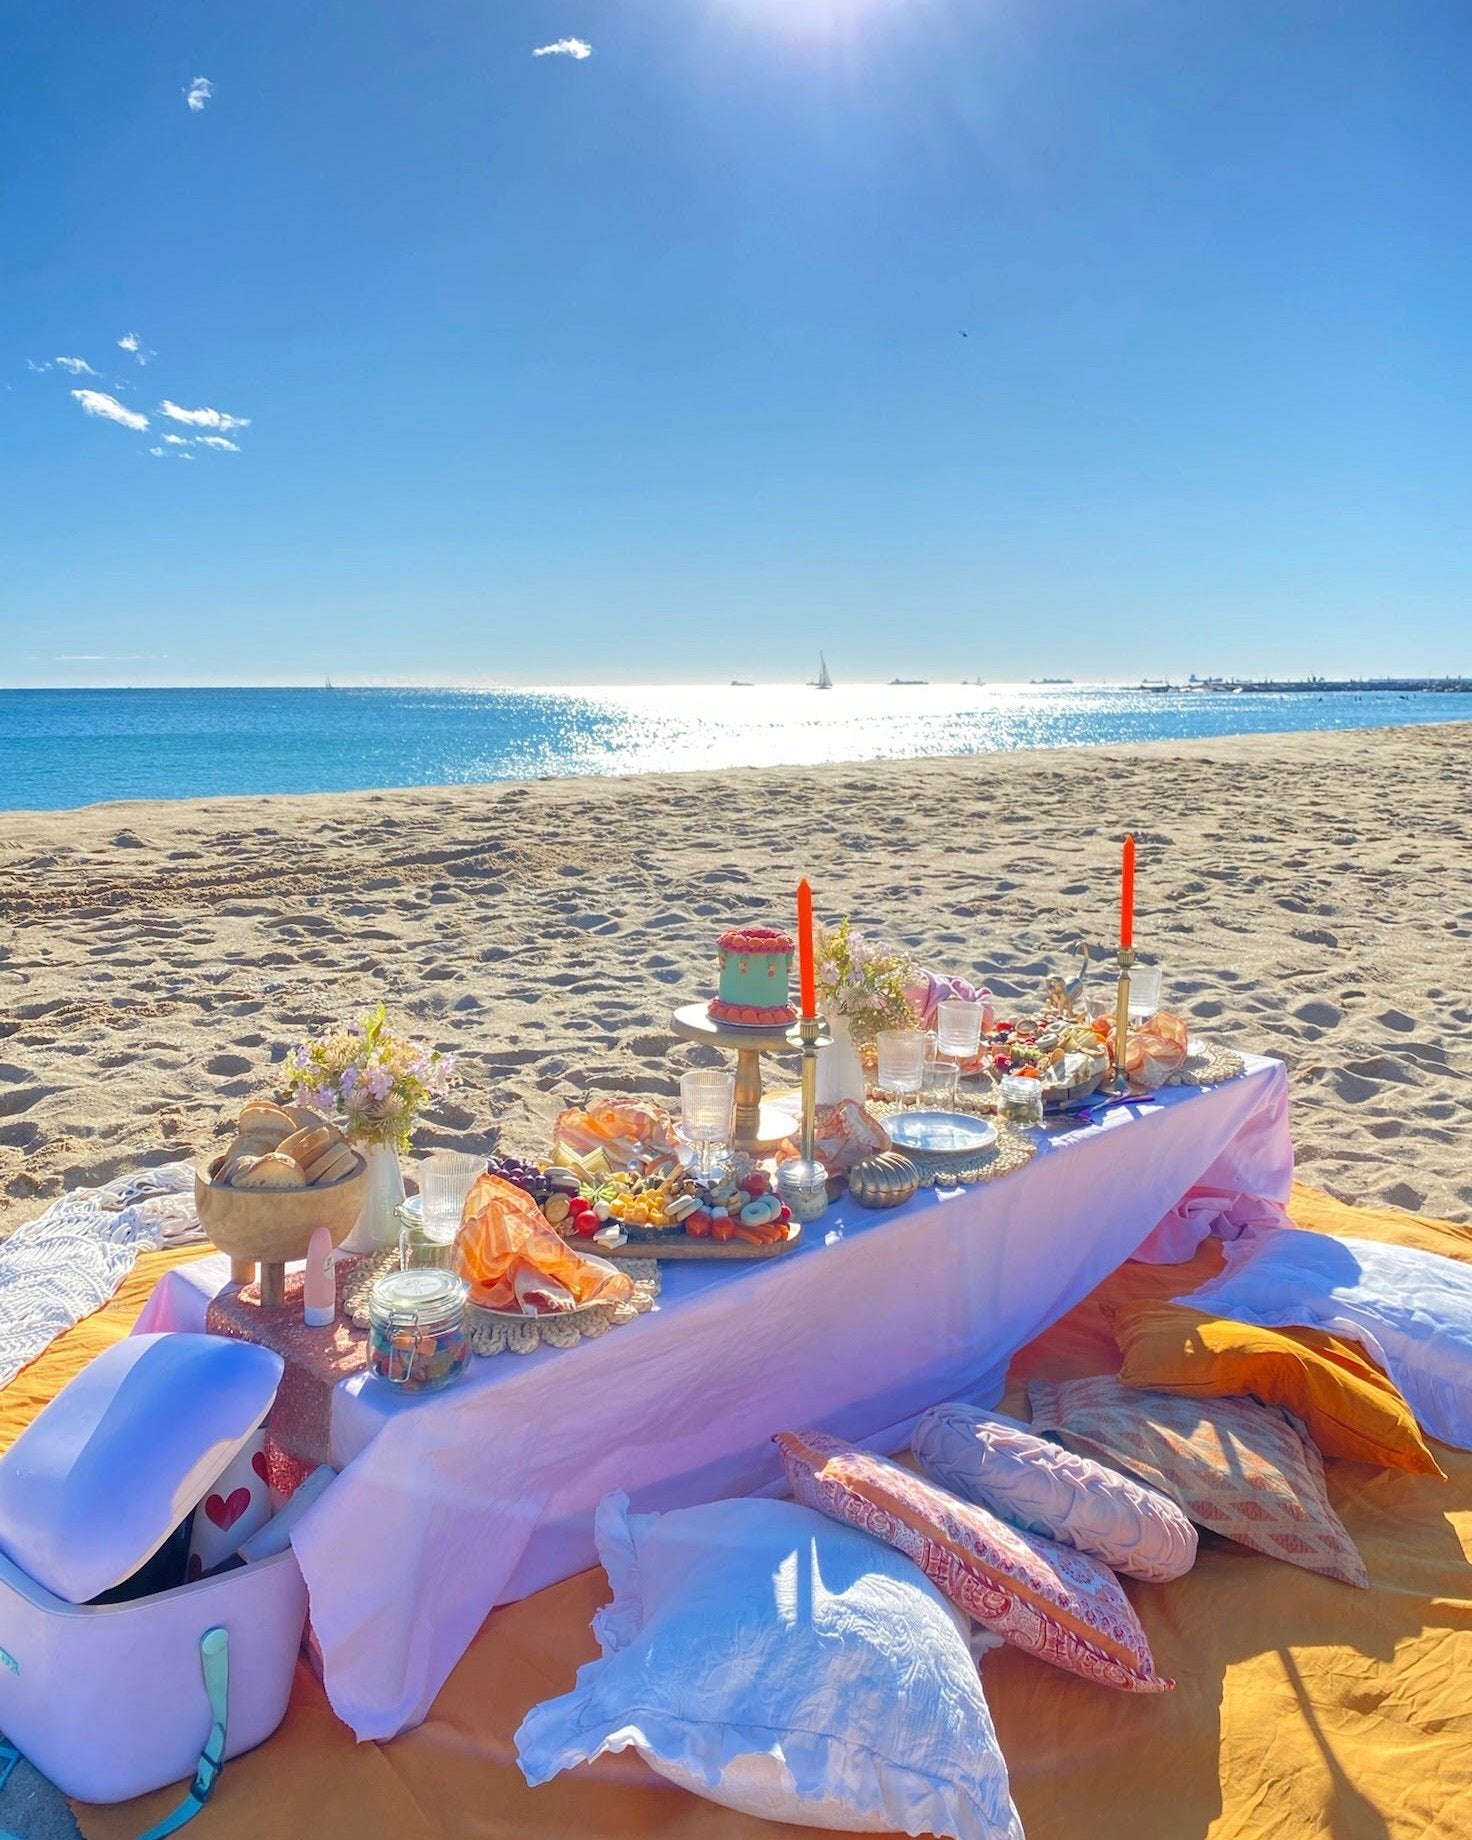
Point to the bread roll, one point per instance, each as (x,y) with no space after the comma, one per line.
(272,1171)
(261,1119)
(335,1163)
(305,1147)
(306,1119)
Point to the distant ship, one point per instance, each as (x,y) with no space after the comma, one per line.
(909,680)
(740,683)
(823,681)
(1050,680)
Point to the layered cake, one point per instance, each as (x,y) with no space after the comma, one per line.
(756,962)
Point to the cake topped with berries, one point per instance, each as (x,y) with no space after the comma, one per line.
(756,963)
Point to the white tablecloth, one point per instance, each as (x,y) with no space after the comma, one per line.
(480,1495)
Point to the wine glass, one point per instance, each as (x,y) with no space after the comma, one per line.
(1144,991)
(707,1114)
(958,1031)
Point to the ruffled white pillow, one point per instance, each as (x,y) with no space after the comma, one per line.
(998,1464)
(775,1662)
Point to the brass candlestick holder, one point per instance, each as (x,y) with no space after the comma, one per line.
(803,1182)
(1122,1018)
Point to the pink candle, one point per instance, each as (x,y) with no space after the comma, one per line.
(806,970)
(1127,898)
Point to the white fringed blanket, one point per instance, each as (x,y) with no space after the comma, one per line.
(67,1262)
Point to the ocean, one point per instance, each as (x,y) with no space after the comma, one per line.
(62,748)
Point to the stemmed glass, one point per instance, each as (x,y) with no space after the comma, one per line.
(958,1031)
(708,1115)
(1144,992)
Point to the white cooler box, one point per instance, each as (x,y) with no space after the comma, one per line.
(112,1700)
(109,1701)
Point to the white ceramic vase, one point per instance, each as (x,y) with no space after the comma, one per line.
(840,1071)
(377,1226)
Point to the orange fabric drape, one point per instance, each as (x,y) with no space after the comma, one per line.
(1304,1708)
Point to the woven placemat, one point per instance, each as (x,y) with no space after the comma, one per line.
(1012,1151)
(506,1332)
(1208,1065)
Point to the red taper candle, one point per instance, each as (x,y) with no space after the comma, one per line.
(1127,898)
(806,970)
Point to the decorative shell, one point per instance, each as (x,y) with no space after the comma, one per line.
(883,1181)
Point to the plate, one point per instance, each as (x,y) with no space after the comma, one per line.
(941,1133)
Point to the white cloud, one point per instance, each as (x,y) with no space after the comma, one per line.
(94,402)
(79,367)
(131,342)
(177,440)
(39,369)
(219,441)
(157,450)
(566,47)
(198,94)
(203,418)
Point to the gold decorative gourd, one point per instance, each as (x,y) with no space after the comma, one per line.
(883,1181)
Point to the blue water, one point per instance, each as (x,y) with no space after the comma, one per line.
(77,747)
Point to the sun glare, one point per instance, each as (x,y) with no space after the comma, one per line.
(819,21)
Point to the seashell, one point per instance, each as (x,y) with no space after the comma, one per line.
(883,1181)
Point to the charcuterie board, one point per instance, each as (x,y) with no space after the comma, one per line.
(677,1245)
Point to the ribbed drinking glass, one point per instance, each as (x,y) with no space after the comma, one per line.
(707,1113)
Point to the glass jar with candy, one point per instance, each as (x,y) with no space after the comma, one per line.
(416,1329)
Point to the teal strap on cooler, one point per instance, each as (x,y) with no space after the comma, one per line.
(214,1656)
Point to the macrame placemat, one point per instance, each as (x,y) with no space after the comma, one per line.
(1208,1065)
(507,1332)
(1012,1151)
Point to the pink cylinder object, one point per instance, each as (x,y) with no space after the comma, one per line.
(319,1292)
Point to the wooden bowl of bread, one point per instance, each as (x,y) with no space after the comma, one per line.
(288,1172)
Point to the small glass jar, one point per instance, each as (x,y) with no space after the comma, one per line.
(416,1329)
(1020,1100)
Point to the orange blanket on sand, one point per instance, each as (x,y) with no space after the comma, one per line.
(1303,1708)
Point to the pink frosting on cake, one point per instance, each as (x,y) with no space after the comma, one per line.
(750,941)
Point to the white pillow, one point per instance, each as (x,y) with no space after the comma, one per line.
(1038,1486)
(776,1662)
(1411,1310)
(100,1478)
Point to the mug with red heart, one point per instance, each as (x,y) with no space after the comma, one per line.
(235,1505)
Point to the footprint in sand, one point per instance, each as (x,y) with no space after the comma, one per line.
(224,1065)
(18,1099)
(1398,1020)
(1319,1015)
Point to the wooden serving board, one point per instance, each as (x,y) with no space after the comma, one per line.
(681,1246)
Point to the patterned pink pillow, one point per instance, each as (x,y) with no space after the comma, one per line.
(1234,1466)
(1058,1604)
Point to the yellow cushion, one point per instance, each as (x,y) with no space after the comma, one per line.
(1351,1408)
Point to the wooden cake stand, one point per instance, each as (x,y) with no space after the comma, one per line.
(759,1127)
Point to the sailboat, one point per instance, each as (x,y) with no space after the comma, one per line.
(824,681)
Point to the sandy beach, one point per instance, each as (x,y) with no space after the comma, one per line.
(1310,896)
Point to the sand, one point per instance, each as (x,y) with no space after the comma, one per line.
(1310,896)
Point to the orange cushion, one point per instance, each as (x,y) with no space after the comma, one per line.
(1349,1405)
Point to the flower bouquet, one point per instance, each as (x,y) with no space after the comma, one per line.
(863,989)
(864,981)
(375,1083)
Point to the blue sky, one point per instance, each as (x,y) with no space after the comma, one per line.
(650,363)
